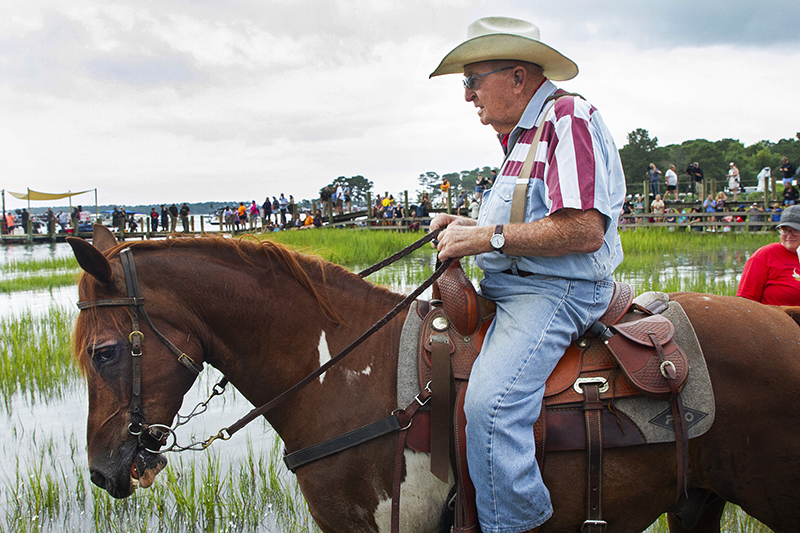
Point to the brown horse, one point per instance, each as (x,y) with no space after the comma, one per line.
(201,293)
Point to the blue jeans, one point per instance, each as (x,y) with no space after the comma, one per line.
(537,318)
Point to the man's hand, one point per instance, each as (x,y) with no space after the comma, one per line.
(454,238)
(444,220)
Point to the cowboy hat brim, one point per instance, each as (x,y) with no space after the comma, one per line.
(504,46)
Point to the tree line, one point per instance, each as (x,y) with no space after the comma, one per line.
(641,150)
(714,157)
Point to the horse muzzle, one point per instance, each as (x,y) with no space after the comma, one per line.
(146,466)
(121,478)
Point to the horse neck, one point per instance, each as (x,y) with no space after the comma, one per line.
(266,331)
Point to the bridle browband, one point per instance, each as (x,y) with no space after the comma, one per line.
(152,436)
(135,304)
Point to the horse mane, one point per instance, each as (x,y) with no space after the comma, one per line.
(248,251)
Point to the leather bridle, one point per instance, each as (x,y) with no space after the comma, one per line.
(153,436)
(150,436)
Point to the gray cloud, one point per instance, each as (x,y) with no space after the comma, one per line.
(665,23)
(143,71)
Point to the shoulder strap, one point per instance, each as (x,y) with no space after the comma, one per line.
(520,196)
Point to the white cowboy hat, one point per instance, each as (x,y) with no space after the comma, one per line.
(497,38)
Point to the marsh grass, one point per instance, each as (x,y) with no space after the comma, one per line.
(35,355)
(38,265)
(661,241)
(39,282)
(38,274)
(346,247)
(193,494)
(734,520)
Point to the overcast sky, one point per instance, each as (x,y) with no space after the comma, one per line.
(204,100)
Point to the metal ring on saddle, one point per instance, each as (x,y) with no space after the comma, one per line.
(410,420)
(671,365)
(597,380)
(427,388)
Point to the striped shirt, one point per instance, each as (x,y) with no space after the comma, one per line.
(576,166)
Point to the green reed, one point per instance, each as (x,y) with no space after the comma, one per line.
(192,494)
(35,265)
(346,247)
(38,274)
(39,282)
(734,520)
(35,354)
(661,240)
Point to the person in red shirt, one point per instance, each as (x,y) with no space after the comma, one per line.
(772,274)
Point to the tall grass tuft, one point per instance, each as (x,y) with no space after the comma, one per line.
(346,247)
(35,354)
(37,265)
(663,241)
(39,282)
(193,494)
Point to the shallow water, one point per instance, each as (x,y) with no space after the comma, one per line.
(31,252)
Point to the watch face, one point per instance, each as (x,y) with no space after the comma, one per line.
(497,241)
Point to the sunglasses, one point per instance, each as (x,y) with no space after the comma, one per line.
(469,83)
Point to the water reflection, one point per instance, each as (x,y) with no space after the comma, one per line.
(37,302)
(33,252)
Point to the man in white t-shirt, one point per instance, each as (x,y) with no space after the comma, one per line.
(672,182)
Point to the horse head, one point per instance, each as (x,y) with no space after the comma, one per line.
(134,380)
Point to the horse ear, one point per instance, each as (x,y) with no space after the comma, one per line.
(91,260)
(102,238)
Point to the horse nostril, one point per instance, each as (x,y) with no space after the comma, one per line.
(99,479)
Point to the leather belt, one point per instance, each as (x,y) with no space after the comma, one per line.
(520,273)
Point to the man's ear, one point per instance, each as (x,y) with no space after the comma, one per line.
(520,75)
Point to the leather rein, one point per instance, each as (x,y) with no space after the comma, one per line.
(153,436)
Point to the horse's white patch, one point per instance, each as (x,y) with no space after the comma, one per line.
(422,497)
(324,353)
(353,375)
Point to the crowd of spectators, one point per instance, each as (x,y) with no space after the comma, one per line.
(282,212)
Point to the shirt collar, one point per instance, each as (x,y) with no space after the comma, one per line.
(532,111)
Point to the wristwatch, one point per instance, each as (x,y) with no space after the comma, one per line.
(497,240)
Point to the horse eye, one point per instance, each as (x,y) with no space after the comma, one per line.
(102,354)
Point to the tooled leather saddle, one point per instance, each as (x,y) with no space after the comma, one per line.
(630,351)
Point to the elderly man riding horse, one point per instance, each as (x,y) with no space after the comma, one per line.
(547,241)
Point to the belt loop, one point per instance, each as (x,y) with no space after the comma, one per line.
(514,269)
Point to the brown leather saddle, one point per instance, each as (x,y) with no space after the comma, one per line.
(629,352)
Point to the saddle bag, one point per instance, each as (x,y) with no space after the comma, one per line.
(655,364)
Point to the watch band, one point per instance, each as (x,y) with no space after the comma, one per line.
(497,240)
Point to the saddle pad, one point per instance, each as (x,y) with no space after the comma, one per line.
(654,417)
(407,377)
